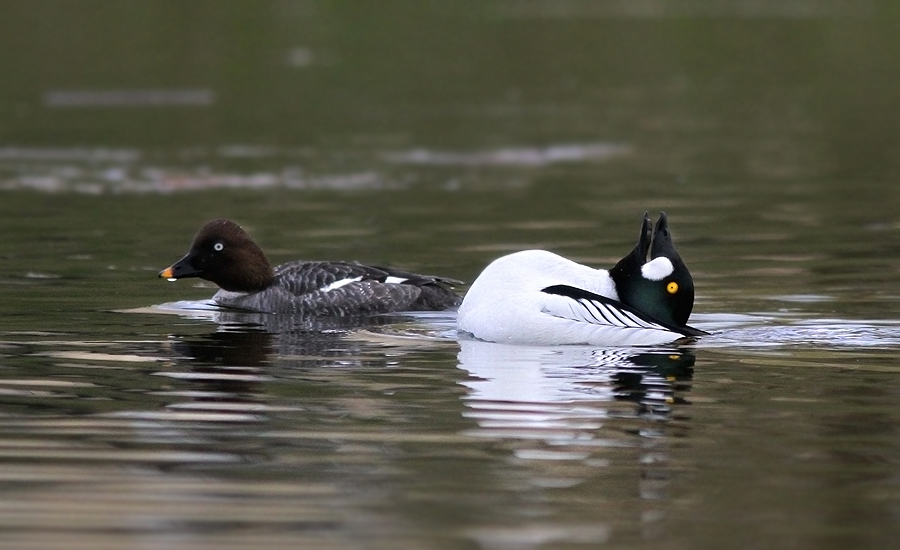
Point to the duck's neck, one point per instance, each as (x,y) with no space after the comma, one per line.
(252,279)
(253,274)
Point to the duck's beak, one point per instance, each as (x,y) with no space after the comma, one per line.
(639,253)
(180,269)
(643,245)
(631,264)
(662,240)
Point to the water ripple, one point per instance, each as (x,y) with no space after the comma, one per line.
(769,330)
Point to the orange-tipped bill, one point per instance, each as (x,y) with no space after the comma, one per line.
(180,269)
(167,274)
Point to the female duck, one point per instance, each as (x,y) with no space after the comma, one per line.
(536,297)
(223,253)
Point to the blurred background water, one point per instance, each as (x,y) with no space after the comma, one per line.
(436,136)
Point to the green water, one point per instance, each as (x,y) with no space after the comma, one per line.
(435,137)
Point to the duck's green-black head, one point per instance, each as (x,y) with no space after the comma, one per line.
(661,287)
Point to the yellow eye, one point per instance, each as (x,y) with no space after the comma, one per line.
(672,287)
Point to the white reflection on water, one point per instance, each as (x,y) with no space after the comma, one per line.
(95,171)
(512,156)
(569,412)
(564,395)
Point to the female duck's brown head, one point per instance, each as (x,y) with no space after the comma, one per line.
(223,253)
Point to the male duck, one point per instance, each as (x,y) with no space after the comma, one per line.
(222,252)
(536,297)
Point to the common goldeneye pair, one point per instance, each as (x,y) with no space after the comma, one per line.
(529,297)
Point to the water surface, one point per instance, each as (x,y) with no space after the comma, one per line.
(436,138)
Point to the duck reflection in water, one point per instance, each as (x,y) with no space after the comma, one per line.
(569,414)
(222,373)
(554,390)
(252,339)
(229,368)
(245,347)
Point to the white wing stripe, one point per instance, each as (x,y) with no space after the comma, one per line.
(580,313)
(614,315)
(637,320)
(640,321)
(605,314)
(619,315)
(339,283)
(592,312)
(602,311)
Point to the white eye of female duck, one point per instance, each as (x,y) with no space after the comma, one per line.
(218,247)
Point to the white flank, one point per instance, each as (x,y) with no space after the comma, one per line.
(395,280)
(340,283)
(658,269)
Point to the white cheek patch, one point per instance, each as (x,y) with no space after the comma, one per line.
(395,280)
(339,284)
(657,269)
